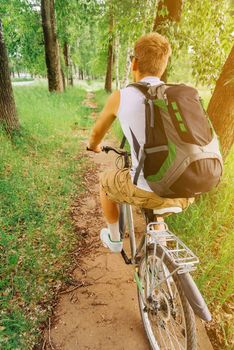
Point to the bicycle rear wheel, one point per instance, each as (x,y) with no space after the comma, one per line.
(166,314)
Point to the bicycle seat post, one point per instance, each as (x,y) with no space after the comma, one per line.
(159,219)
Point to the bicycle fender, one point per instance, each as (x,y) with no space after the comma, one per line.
(194,297)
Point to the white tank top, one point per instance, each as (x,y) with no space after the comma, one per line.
(131,114)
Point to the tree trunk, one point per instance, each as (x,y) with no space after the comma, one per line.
(221,106)
(68,63)
(63,79)
(127,67)
(55,81)
(8,116)
(174,11)
(117,62)
(108,81)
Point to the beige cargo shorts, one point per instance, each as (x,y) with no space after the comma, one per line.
(118,186)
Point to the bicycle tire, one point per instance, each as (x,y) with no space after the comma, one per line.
(189,320)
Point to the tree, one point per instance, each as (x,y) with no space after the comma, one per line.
(206,31)
(117,44)
(68,63)
(221,106)
(52,56)
(127,67)
(168,14)
(8,117)
(110,55)
(168,10)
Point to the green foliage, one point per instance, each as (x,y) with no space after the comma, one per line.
(205,28)
(23,35)
(206,33)
(78,25)
(39,171)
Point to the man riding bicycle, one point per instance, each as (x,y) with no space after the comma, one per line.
(151,53)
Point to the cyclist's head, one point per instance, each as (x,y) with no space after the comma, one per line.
(151,53)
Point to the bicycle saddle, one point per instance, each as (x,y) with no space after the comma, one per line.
(163,211)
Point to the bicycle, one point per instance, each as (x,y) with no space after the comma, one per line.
(167,295)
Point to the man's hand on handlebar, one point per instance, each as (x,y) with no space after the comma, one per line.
(96,149)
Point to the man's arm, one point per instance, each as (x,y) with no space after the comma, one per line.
(106,118)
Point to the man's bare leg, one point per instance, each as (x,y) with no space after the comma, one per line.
(110,208)
(111,236)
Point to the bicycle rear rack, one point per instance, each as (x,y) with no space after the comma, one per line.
(179,254)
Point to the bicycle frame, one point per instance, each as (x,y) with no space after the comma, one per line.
(126,210)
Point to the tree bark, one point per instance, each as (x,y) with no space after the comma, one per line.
(127,67)
(117,63)
(108,81)
(68,63)
(81,74)
(110,57)
(8,116)
(174,11)
(52,58)
(63,79)
(221,106)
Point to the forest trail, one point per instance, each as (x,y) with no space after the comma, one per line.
(99,310)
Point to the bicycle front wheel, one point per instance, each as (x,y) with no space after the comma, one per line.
(166,314)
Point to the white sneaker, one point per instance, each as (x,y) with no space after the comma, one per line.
(114,246)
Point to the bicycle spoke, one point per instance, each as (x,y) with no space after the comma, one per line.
(172,321)
(170,340)
(153,268)
(178,324)
(173,329)
(170,335)
(164,316)
(160,331)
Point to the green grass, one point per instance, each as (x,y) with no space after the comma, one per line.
(39,173)
(21,79)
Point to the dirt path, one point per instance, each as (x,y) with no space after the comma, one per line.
(100,310)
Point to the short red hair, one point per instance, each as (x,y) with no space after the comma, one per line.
(152,52)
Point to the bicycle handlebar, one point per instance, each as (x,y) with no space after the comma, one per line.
(107,149)
(122,154)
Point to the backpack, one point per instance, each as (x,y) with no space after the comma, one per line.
(181,155)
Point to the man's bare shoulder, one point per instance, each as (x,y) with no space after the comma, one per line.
(113,101)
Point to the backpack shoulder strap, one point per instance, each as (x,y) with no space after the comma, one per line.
(149,113)
(145,88)
(142,86)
